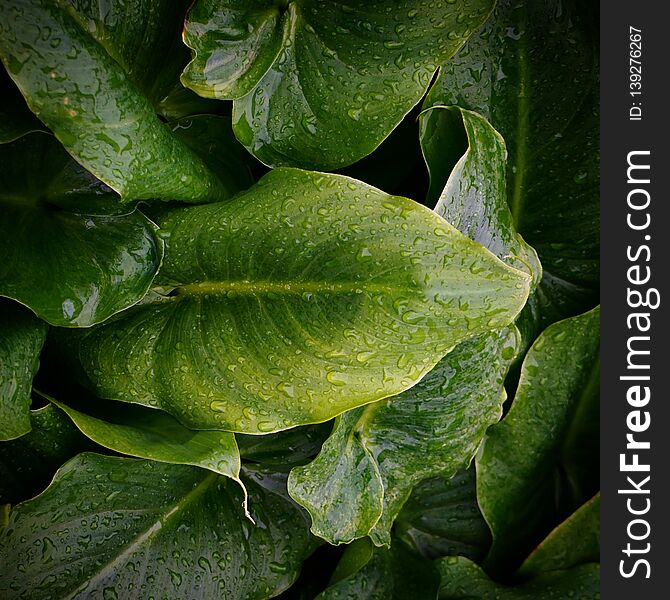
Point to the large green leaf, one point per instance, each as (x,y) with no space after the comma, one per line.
(153,434)
(71,268)
(376,454)
(541,462)
(464,580)
(21,338)
(533,73)
(369,573)
(85,69)
(442,518)
(28,463)
(319,83)
(309,295)
(574,542)
(116,528)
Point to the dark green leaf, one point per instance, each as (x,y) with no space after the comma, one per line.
(369,573)
(83,68)
(71,269)
(117,528)
(318,83)
(464,580)
(283,312)
(541,462)
(147,433)
(574,542)
(533,73)
(376,454)
(21,338)
(16,119)
(442,518)
(28,463)
(285,448)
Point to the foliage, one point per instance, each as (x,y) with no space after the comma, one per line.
(237,360)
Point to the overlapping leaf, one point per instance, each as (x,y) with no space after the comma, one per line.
(139,528)
(88,71)
(277,309)
(369,573)
(21,338)
(464,580)
(442,518)
(376,454)
(71,268)
(533,73)
(541,462)
(318,83)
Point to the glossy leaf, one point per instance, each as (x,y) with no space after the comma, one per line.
(88,267)
(532,71)
(317,83)
(78,66)
(464,580)
(132,527)
(369,573)
(574,542)
(376,454)
(153,434)
(28,463)
(282,312)
(442,518)
(21,338)
(474,197)
(541,462)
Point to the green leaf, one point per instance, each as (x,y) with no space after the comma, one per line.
(442,518)
(83,68)
(541,462)
(282,312)
(464,580)
(474,197)
(369,573)
(376,454)
(318,83)
(575,541)
(117,528)
(21,339)
(532,71)
(27,464)
(71,269)
(153,434)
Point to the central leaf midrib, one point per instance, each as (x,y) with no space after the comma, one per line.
(244,287)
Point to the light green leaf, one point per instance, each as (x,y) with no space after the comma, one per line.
(21,338)
(282,311)
(574,542)
(112,527)
(376,454)
(442,518)
(532,71)
(464,580)
(85,70)
(318,83)
(369,573)
(153,434)
(474,197)
(541,462)
(28,463)
(71,269)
